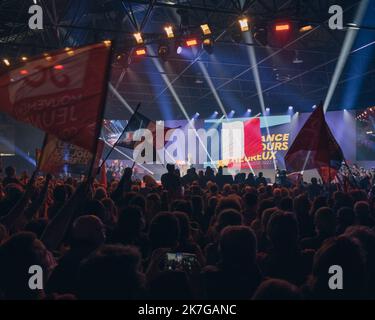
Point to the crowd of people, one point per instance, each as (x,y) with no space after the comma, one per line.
(205,235)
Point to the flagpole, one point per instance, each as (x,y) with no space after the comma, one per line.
(351,173)
(101,115)
(39,161)
(119,138)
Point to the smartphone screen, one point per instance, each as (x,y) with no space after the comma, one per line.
(180,261)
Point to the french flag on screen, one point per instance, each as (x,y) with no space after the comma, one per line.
(241,139)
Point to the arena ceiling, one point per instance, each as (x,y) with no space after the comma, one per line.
(293,72)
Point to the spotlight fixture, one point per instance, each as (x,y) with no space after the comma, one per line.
(141,51)
(191,42)
(208,45)
(281,27)
(6,62)
(179,49)
(206,29)
(169,32)
(249,110)
(268,110)
(24,58)
(163,51)
(244,24)
(59,67)
(305,28)
(138,37)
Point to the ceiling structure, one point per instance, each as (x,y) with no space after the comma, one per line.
(296,71)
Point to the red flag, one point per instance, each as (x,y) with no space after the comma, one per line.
(252,144)
(315,147)
(61,157)
(60,93)
(253,137)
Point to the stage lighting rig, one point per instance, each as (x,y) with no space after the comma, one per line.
(138,38)
(164,51)
(305,27)
(206,29)
(208,45)
(6,62)
(282,27)
(191,42)
(244,24)
(169,32)
(142,51)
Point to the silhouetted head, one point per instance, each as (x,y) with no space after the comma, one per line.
(228,203)
(277,289)
(170,168)
(325,221)
(286,204)
(59,193)
(88,230)
(184,226)
(10,172)
(250,200)
(345,217)
(111,273)
(17,255)
(238,247)
(164,230)
(339,259)
(282,231)
(130,223)
(228,217)
(362,211)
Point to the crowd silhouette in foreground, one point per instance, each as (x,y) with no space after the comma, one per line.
(241,238)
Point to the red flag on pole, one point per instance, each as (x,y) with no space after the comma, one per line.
(61,157)
(315,147)
(60,93)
